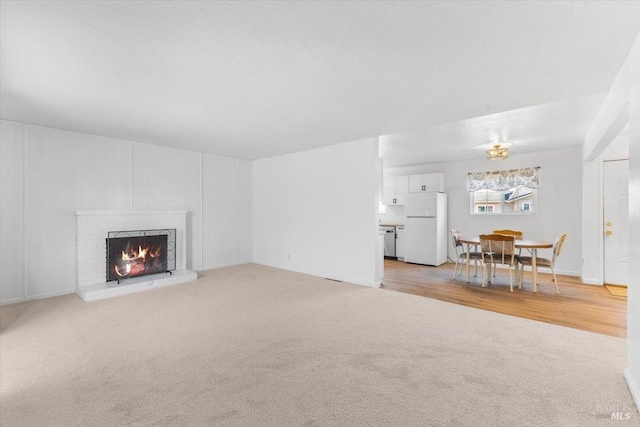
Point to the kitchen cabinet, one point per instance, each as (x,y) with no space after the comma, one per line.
(426,182)
(394,189)
(399,242)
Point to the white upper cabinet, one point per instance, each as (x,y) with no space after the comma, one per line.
(402,188)
(394,189)
(426,182)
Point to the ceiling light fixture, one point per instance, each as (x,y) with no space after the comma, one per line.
(497,153)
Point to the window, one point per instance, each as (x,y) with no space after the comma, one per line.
(513,200)
(504,192)
(486,201)
(484,209)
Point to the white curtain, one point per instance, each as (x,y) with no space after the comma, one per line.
(504,180)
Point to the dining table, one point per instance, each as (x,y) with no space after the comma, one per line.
(531,245)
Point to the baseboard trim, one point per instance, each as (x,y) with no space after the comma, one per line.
(634,387)
(548,271)
(36,297)
(563,272)
(232,264)
(373,284)
(368,285)
(588,281)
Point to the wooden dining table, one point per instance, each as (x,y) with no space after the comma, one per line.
(532,245)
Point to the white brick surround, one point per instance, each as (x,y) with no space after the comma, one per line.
(91,233)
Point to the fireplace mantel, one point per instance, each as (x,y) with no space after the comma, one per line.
(92,227)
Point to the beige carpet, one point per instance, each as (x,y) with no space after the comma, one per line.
(252,345)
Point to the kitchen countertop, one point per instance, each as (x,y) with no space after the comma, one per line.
(387,224)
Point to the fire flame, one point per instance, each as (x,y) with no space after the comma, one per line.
(156,253)
(135,260)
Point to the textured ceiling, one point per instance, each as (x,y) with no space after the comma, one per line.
(550,126)
(258,79)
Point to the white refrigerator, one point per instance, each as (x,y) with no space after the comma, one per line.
(425,230)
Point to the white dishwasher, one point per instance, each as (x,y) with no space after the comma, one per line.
(400,242)
(389,241)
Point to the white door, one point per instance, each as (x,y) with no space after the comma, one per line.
(616,216)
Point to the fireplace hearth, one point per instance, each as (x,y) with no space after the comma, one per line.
(137,253)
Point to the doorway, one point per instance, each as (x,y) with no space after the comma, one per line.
(616,218)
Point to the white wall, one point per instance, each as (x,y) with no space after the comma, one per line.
(559,200)
(47,174)
(618,149)
(226,203)
(394,214)
(632,373)
(320,208)
(625,91)
(11,211)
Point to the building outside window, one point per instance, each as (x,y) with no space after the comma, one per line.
(486,201)
(504,192)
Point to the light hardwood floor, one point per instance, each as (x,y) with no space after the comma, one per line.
(580,306)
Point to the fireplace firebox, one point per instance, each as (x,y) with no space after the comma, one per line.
(139,253)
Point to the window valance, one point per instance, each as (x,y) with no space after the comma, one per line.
(504,180)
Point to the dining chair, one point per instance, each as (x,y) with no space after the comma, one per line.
(462,254)
(515,233)
(499,249)
(507,232)
(544,262)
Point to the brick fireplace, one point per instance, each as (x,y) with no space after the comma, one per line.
(92,230)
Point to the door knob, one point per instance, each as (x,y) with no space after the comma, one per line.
(608,232)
